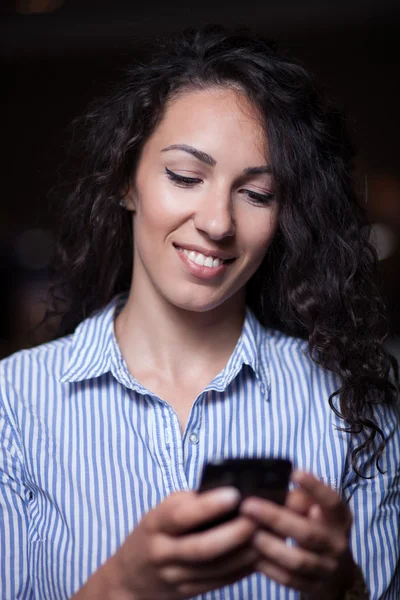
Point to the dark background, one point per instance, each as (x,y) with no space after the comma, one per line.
(58,54)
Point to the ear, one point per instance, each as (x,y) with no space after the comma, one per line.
(130,199)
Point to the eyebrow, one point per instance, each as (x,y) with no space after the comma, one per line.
(203,156)
(209,160)
(264,170)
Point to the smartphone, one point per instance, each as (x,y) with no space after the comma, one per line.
(263,477)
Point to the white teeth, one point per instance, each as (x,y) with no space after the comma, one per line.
(203,261)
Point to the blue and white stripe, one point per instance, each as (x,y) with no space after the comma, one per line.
(86,451)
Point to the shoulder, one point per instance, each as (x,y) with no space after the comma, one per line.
(47,358)
(29,379)
(283,345)
(32,374)
(287,351)
(286,361)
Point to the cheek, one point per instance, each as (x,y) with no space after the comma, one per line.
(261,231)
(159,208)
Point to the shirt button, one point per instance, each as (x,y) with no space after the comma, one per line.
(193,438)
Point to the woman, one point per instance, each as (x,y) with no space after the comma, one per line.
(218,194)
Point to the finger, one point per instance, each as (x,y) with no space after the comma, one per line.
(287,578)
(332,506)
(294,559)
(222,568)
(183,511)
(317,514)
(215,542)
(299,501)
(285,523)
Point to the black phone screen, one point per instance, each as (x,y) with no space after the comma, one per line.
(263,477)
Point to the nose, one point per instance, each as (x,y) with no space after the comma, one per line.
(215,217)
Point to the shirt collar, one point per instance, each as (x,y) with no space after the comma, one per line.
(248,351)
(94,349)
(92,344)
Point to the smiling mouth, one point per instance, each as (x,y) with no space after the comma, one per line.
(200,259)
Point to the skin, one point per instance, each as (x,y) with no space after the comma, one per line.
(185,329)
(217,213)
(318,520)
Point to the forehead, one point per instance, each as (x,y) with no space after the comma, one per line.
(219,120)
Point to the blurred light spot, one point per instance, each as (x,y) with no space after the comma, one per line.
(28,7)
(384,239)
(34,249)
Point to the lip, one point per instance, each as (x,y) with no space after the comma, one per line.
(200,271)
(206,251)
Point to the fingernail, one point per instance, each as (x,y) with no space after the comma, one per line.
(227,494)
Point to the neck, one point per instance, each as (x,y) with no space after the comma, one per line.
(154,334)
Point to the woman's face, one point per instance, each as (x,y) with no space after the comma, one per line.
(203,202)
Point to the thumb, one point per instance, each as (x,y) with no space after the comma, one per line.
(183,511)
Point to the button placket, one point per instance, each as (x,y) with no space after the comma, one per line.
(193,441)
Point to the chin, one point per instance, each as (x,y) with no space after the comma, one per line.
(198,304)
(198,307)
(202,299)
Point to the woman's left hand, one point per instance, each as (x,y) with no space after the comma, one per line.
(319,521)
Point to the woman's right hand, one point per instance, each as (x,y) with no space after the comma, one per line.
(163,560)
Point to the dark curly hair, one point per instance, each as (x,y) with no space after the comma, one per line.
(319,272)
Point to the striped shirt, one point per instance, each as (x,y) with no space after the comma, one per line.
(86,451)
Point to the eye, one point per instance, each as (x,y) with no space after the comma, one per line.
(256,198)
(181,180)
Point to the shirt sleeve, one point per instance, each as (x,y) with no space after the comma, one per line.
(375,504)
(14,516)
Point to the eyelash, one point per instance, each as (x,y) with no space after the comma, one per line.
(181,180)
(187,182)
